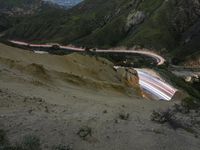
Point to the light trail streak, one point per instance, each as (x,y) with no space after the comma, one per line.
(154,79)
(155,91)
(155,86)
(160,60)
(158,86)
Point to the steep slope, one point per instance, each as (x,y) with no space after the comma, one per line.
(22,7)
(13,12)
(79,21)
(77,69)
(4,22)
(75,102)
(159,24)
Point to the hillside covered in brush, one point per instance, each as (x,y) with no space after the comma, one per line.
(171,26)
(20,7)
(13,12)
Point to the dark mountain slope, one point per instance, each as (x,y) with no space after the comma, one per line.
(4,22)
(14,12)
(174,25)
(158,24)
(82,20)
(20,7)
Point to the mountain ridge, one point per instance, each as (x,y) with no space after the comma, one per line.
(168,26)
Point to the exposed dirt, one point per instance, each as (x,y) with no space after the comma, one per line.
(82,102)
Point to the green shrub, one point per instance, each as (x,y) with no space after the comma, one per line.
(124,116)
(30,142)
(162,116)
(3,138)
(84,132)
(190,103)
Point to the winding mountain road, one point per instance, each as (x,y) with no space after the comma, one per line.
(157,87)
(159,59)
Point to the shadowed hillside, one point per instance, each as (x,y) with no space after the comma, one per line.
(20,7)
(170,26)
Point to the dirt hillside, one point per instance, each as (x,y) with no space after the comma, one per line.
(81,102)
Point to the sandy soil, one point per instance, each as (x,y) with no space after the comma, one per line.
(53,97)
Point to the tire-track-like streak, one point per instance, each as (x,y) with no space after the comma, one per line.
(159,89)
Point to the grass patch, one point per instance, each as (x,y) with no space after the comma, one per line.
(29,142)
(3,138)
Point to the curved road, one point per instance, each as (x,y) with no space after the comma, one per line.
(158,88)
(160,60)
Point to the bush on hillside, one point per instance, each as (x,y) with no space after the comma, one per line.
(162,116)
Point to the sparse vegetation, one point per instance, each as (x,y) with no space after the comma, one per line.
(173,119)
(187,104)
(29,142)
(3,138)
(190,103)
(84,132)
(162,116)
(179,82)
(166,116)
(124,116)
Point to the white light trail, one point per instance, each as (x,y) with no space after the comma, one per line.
(155,86)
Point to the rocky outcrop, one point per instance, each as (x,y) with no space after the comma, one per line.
(134,18)
(130,78)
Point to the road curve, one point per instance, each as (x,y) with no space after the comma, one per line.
(158,88)
(159,59)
